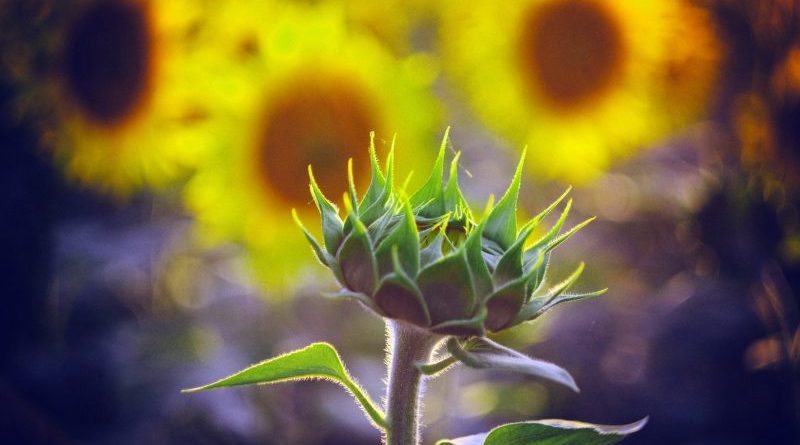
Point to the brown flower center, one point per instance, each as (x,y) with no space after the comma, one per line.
(107,60)
(316,120)
(571,51)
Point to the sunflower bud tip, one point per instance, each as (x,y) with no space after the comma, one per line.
(405,251)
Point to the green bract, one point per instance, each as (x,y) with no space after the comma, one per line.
(426,259)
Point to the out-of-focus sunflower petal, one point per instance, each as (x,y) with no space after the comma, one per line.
(575,80)
(121,90)
(301,89)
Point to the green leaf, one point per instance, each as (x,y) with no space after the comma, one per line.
(475,439)
(331,223)
(405,239)
(446,286)
(501,224)
(482,353)
(428,201)
(318,360)
(357,261)
(550,432)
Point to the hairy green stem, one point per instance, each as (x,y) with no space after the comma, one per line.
(408,345)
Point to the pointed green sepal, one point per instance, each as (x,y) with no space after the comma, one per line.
(324,257)
(377,182)
(509,267)
(545,240)
(332,227)
(563,298)
(565,236)
(487,209)
(446,286)
(453,198)
(470,327)
(405,239)
(351,183)
(543,214)
(402,192)
(399,297)
(535,267)
(565,284)
(501,224)
(357,261)
(481,277)
(389,175)
(347,294)
(505,303)
(433,251)
(384,224)
(542,302)
(428,201)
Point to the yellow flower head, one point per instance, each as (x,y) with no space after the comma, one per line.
(301,89)
(686,82)
(123,91)
(572,79)
(401,25)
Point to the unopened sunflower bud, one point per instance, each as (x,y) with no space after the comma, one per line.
(426,260)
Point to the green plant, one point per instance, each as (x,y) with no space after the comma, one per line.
(441,280)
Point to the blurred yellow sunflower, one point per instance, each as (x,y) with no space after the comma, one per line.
(687,82)
(572,79)
(302,90)
(125,91)
(404,26)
